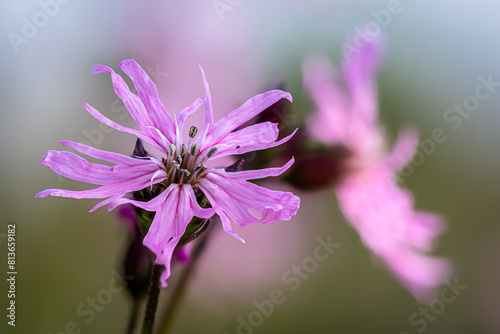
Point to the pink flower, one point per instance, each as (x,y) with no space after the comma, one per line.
(369,197)
(181,167)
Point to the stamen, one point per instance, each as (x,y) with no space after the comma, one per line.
(197,167)
(193,130)
(172,171)
(157,173)
(183,173)
(179,160)
(172,149)
(194,150)
(197,170)
(212,151)
(184,149)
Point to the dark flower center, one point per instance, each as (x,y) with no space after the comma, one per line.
(184,163)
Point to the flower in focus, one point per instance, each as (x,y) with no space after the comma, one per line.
(368,194)
(180,170)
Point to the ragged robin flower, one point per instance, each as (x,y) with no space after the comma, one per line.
(181,169)
(366,176)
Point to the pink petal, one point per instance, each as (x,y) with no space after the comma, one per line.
(150,138)
(420,274)
(256,174)
(170,223)
(330,123)
(261,133)
(165,258)
(253,147)
(186,112)
(179,121)
(195,207)
(383,215)
(158,116)
(116,158)
(72,166)
(426,227)
(350,117)
(174,207)
(403,151)
(129,175)
(119,188)
(244,113)
(359,73)
(226,225)
(236,197)
(133,103)
(209,113)
(154,204)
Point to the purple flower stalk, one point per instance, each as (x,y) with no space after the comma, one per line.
(368,194)
(181,166)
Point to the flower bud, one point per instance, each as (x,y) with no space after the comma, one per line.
(139,150)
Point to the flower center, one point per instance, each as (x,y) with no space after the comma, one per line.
(184,163)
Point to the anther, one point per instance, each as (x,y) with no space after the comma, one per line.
(179,160)
(183,173)
(184,149)
(172,149)
(197,167)
(194,150)
(212,151)
(193,130)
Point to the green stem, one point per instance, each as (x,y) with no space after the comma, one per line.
(153,294)
(181,288)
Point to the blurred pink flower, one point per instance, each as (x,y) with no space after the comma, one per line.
(182,168)
(368,193)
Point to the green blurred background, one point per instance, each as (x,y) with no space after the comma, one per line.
(436,50)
